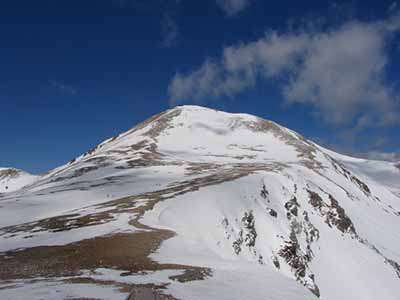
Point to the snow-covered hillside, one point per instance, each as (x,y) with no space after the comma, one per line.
(13,179)
(201,204)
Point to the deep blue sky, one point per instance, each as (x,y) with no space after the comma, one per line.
(74,73)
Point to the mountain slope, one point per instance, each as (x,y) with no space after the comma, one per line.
(383,172)
(13,179)
(203,204)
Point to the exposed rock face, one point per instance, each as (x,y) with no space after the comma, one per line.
(264,193)
(292,207)
(273,213)
(9,173)
(342,170)
(337,217)
(333,212)
(248,233)
(298,255)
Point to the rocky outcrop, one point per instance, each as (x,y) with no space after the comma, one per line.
(295,254)
(334,214)
(346,173)
(247,235)
(9,173)
(292,207)
(298,259)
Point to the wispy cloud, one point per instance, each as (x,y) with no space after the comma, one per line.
(166,9)
(341,72)
(232,7)
(169,31)
(63,87)
(376,155)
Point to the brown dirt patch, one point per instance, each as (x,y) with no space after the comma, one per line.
(121,251)
(124,251)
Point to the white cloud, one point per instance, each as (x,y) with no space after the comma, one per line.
(376,155)
(340,72)
(232,7)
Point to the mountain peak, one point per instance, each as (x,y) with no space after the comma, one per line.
(190,107)
(205,110)
(201,134)
(196,134)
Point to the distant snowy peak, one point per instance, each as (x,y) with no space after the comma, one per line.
(199,134)
(12,179)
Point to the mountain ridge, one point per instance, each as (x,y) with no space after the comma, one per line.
(174,112)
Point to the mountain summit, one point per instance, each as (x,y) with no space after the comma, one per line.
(195,203)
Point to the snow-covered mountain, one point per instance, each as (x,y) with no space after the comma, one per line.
(201,204)
(13,179)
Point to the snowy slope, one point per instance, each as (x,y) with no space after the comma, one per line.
(13,179)
(383,172)
(231,206)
